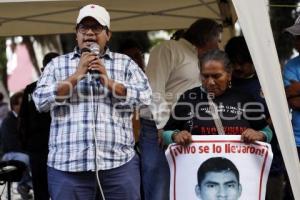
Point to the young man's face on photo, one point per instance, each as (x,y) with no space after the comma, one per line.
(219,186)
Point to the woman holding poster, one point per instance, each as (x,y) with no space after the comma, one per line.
(215,108)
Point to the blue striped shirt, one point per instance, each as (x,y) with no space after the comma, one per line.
(91,107)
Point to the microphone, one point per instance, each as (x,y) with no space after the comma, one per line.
(93,48)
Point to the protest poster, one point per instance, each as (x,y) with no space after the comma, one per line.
(251,161)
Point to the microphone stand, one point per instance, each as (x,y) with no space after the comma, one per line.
(90,74)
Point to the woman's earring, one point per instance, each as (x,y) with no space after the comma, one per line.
(229,84)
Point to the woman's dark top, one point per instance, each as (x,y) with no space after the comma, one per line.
(237,112)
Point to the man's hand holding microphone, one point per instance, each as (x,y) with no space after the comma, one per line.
(91,64)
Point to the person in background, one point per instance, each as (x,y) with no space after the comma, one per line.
(12,148)
(172,69)
(291,80)
(91,96)
(34,130)
(244,79)
(4,108)
(132,48)
(244,76)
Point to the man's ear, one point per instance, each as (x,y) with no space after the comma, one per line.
(240,190)
(197,191)
(108,35)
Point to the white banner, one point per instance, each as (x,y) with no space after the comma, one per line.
(258,34)
(219,167)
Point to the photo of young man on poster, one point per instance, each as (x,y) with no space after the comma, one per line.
(218,178)
(219,167)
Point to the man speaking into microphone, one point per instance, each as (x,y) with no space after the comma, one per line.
(91,128)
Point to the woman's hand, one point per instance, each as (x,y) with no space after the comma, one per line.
(183,138)
(250,136)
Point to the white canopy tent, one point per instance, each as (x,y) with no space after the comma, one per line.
(44,17)
(36,17)
(33,17)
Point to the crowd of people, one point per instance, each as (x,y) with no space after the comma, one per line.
(73,128)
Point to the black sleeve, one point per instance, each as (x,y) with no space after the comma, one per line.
(255,114)
(23,119)
(180,114)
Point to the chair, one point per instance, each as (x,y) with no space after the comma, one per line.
(11,171)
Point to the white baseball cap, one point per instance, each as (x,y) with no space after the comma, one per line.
(97,12)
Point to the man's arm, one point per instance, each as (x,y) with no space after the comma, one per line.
(294,102)
(135,90)
(49,90)
(292,84)
(293,94)
(118,89)
(293,89)
(65,88)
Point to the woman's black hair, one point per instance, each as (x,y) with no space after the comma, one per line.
(217,55)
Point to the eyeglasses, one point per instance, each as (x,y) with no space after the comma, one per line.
(97,29)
